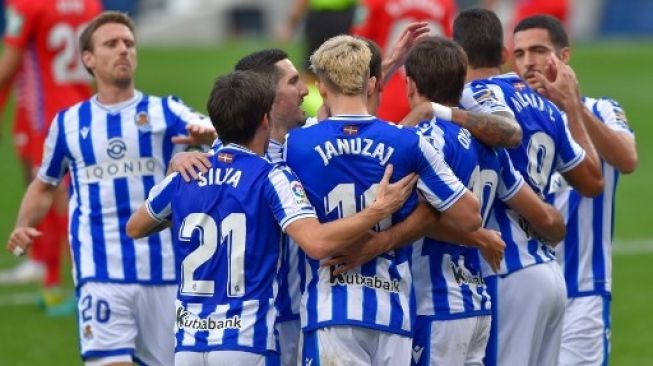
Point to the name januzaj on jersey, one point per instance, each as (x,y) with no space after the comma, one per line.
(355,146)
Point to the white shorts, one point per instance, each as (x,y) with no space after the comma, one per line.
(289,332)
(456,342)
(586,331)
(354,346)
(527,311)
(225,358)
(127,320)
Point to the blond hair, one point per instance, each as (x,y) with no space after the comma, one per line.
(343,62)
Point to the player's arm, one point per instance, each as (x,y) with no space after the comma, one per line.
(152,216)
(499,129)
(423,221)
(198,128)
(141,223)
(545,220)
(9,63)
(413,33)
(35,205)
(561,87)
(615,146)
(325,240)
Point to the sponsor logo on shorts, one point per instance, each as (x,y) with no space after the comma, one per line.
(188,320)
(357,279)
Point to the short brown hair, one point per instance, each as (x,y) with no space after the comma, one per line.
(85,39)
(438,67)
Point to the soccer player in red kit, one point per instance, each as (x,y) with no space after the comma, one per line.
(42,61)
(383,21)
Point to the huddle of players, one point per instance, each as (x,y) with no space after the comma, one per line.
(435,284)
(382,296)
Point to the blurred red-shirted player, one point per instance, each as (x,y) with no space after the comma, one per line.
(383,21)
(42,60)
(526,8)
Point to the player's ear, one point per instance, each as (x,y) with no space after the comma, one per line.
(88,59)
(564,55)
(371,86)
(411,87)
(265,122)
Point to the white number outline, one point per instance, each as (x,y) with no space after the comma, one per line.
(343,199)
(539,168)
(67,66)
(477,183)
(233,234)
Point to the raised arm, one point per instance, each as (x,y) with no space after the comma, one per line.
(35,205)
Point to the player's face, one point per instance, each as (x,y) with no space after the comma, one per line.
(291,90)
(533,48)
(113,58)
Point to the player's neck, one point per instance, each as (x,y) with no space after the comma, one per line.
(481,73)
(108,95)
(347,104)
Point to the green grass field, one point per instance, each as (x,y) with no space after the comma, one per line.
(619,70)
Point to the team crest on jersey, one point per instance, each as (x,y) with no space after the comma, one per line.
(299,193)
(142,119)
(350,130)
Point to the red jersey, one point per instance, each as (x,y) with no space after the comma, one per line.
(556,8)
(384,21)
(51,76)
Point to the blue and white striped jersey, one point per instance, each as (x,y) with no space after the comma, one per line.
(115,156)
(292,273)
(340,161)
(586,253)
(227,229)
(547,146)
(448,278)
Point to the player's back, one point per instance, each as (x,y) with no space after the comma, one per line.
(547,147)
(52,75)
(340,161)
(227,245)
(448,278)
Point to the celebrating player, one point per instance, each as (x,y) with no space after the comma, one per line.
(116,145)
(529,277)
(541,51)
(363,316)
(225,303)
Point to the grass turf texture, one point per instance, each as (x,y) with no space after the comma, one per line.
(618,70)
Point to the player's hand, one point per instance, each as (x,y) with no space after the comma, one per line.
(188,164)
(492,247)
(21,239)
(390,197)
(559,84)
(374,246)
(413,33)
(197,135)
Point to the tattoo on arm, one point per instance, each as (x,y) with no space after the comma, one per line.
(492,129)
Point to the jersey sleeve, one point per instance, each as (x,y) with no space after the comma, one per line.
(510,179)
(287,197)
(437,182)
(186,114)
(570,154)
(55,153)
(159,200)
(484,98)
(611,113)
(21,19)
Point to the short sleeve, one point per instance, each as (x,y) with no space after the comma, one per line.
(55,152)
(287,197)
(437,182)
(570,153)
(611,113)
(484,98)
(160,198)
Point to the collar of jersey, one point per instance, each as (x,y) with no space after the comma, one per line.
(237,147)
(135,99)
(352,117)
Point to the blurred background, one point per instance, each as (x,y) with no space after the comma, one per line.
(185,44)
